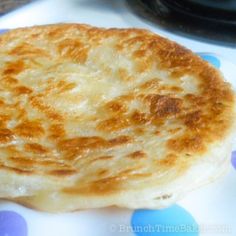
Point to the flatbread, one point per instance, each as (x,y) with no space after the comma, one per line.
(93,117)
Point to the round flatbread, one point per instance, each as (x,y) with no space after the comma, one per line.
(93,117)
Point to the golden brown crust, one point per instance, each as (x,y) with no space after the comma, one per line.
(97,105)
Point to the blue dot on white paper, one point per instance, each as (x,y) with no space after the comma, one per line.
(211,59)
(12,224)
(172,221)
(233,159)
(2,31)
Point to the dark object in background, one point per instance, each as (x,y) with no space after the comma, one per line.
(208,20)
(9,5)
(214,10)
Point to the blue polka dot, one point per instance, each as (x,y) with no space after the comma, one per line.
(233,159)
(211,59)
(3,31)
(12,224)
(172,221)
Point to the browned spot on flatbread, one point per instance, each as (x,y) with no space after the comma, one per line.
(191,120)
(14,68)
(195,100)
(9,80)
(124,75)
(1,102)
(91,142)
(169,160)
(64,86)
(73,49)
(109,185)
(76,147)
(4,120)
(83,142)
(29,129)
(22,90)
(16,170)
(101,158)
(49,111)
(116,107)
(187,143)
(113,124)
(137,155)
(22,161)
(62,172)
(26,49)
(57,131)
(139,118)
(150,84)
(37,163)
(102,172)
(6,135)
(120,140)
(162,106)
(35,148)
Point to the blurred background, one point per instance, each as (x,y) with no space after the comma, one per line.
(9,5)
(201,25)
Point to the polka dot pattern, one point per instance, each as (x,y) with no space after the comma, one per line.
(233,159)
(12,224)
(171,221)
(2,31)
(211,59)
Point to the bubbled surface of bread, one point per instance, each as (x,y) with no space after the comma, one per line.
(93,117)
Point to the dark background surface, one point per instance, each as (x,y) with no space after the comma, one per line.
(191,18)
(227,5)
(9,5)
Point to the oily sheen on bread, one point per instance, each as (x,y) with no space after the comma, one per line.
(93,117)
